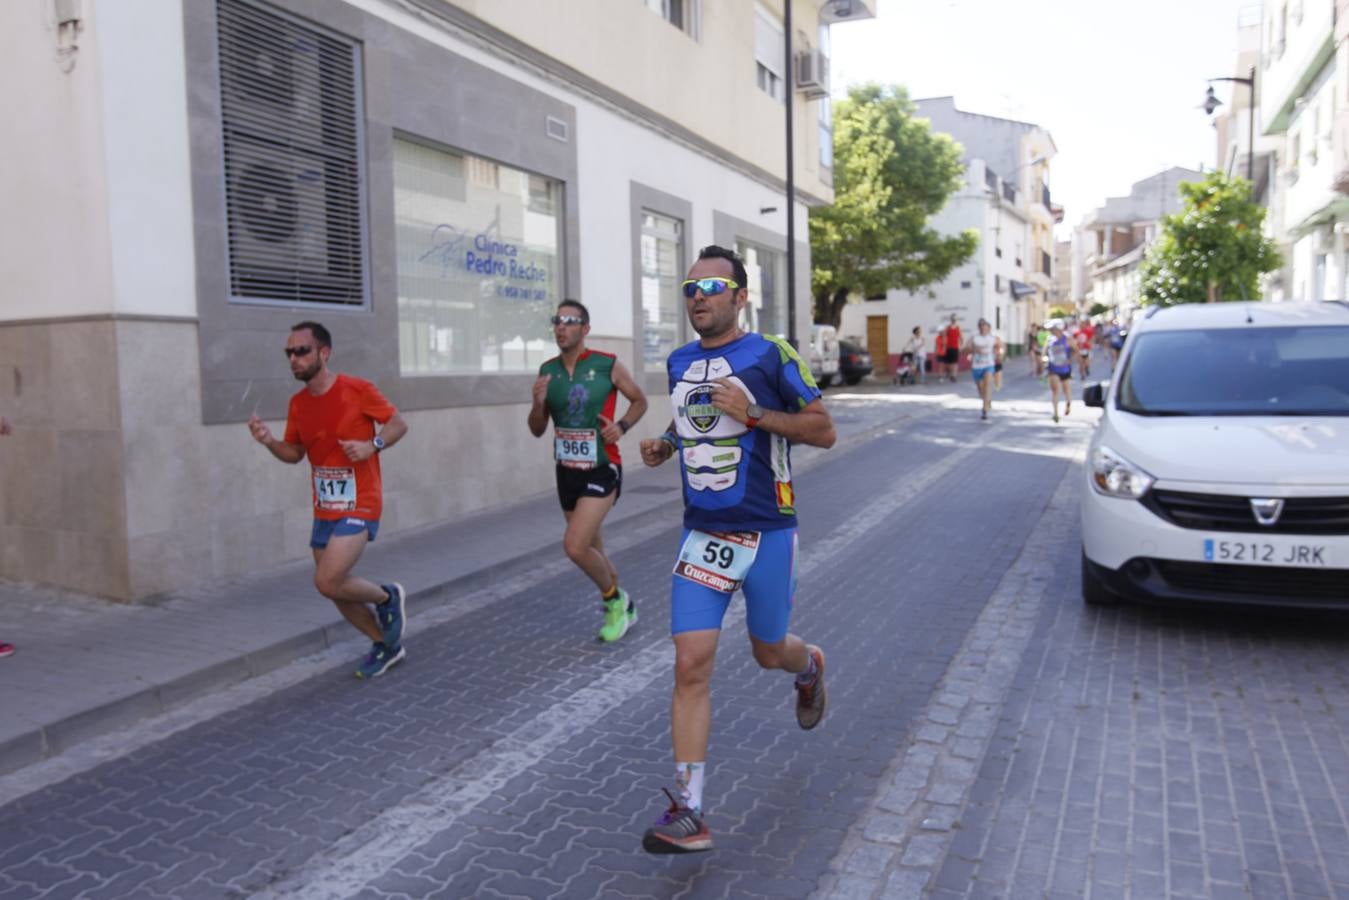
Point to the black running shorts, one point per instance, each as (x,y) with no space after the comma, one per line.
(601,481)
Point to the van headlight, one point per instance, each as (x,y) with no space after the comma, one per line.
(1115,476)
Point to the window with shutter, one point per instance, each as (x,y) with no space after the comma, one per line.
(294,191)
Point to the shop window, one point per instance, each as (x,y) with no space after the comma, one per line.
(662,245)
(479,261)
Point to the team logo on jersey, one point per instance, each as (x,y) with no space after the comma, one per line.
(698,409)
(576,403)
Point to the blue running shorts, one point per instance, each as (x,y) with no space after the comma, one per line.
(325,529)
(769,588)
(981,373)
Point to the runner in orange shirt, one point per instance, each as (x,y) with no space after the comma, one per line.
(332,421)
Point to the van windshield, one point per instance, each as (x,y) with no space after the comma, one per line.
(1302,371)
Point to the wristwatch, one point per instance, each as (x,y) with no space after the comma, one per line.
(753,415)
(378,442)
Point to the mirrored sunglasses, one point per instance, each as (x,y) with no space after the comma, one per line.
(567,320)
(709,286)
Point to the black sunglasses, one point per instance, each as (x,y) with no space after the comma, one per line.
(567,320)
(298,351)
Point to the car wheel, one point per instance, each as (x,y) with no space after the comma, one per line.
(1094,591)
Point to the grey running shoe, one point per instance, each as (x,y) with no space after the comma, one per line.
(679,830)
(391,614)
(378,661)
(810,698)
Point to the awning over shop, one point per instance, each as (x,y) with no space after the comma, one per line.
(1020,290)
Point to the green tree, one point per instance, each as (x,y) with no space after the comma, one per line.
(1213,249)
(891,173)
(1099,309)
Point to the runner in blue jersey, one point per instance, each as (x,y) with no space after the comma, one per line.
(740,401)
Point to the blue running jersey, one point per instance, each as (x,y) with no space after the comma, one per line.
(736,478)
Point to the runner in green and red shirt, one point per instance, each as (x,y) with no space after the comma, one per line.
(578,390)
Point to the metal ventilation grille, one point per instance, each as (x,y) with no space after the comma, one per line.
(290,103)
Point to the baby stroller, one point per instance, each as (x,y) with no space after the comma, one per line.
(904,369)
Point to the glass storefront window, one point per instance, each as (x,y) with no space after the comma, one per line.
(479,262)
(661,242)
(766,311)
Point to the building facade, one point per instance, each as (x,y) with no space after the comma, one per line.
(1302,71)
(426,178)
(1005,198)
(1112,240)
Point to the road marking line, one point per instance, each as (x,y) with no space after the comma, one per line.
(370,851)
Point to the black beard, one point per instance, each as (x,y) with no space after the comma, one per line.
(306,375)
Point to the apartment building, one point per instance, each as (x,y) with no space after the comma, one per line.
(185,179)
(1112,240)
(1006,198)
(1302,77)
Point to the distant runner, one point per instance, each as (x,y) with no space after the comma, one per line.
(985,349)
(1059,365)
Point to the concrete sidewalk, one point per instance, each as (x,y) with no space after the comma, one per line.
(87,667)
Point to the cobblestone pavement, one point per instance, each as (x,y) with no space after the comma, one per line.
(987,736)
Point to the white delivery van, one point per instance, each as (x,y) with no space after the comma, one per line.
(824,354)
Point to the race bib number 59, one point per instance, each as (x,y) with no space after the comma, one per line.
(334,488)
(719,560)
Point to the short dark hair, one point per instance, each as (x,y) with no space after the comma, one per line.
(712,251)
(917,328)
(321,334)
(585,313)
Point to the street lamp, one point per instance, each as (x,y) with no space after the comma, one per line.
(1211,102)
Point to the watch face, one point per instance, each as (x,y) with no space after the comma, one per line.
(755,411)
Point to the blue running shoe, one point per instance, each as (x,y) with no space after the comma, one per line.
(379,659)
(391,614)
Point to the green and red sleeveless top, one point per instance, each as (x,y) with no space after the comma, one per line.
(575,402)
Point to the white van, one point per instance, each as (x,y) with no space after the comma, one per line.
(824,354)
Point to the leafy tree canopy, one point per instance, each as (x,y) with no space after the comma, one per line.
(1099,309)
(1213,249)
(891,173)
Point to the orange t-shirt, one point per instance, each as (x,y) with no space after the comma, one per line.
(346,411)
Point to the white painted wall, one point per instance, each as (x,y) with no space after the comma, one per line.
(55,259)
(143,80)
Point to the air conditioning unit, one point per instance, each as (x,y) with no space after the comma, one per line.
(812,74)
(285,227)
(274,73)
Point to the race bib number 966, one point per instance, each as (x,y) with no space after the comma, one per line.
(576,448)
(719,560)
(334,488)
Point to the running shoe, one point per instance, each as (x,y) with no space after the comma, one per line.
(620,614)
(1056,417)
(391,614)
(983,416)
(679,830)
(6,649)
(379,659)
(810,697)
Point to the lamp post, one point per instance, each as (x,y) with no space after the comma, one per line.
(1211,102)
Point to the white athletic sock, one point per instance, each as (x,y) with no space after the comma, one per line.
(689,783)
(807,675)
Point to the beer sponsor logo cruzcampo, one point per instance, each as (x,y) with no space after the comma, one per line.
(698,409)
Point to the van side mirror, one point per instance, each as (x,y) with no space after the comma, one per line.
(1094,395)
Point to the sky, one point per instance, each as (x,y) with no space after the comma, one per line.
(1117,85)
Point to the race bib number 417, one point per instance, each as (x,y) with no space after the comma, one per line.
(334,488)
(720,560)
